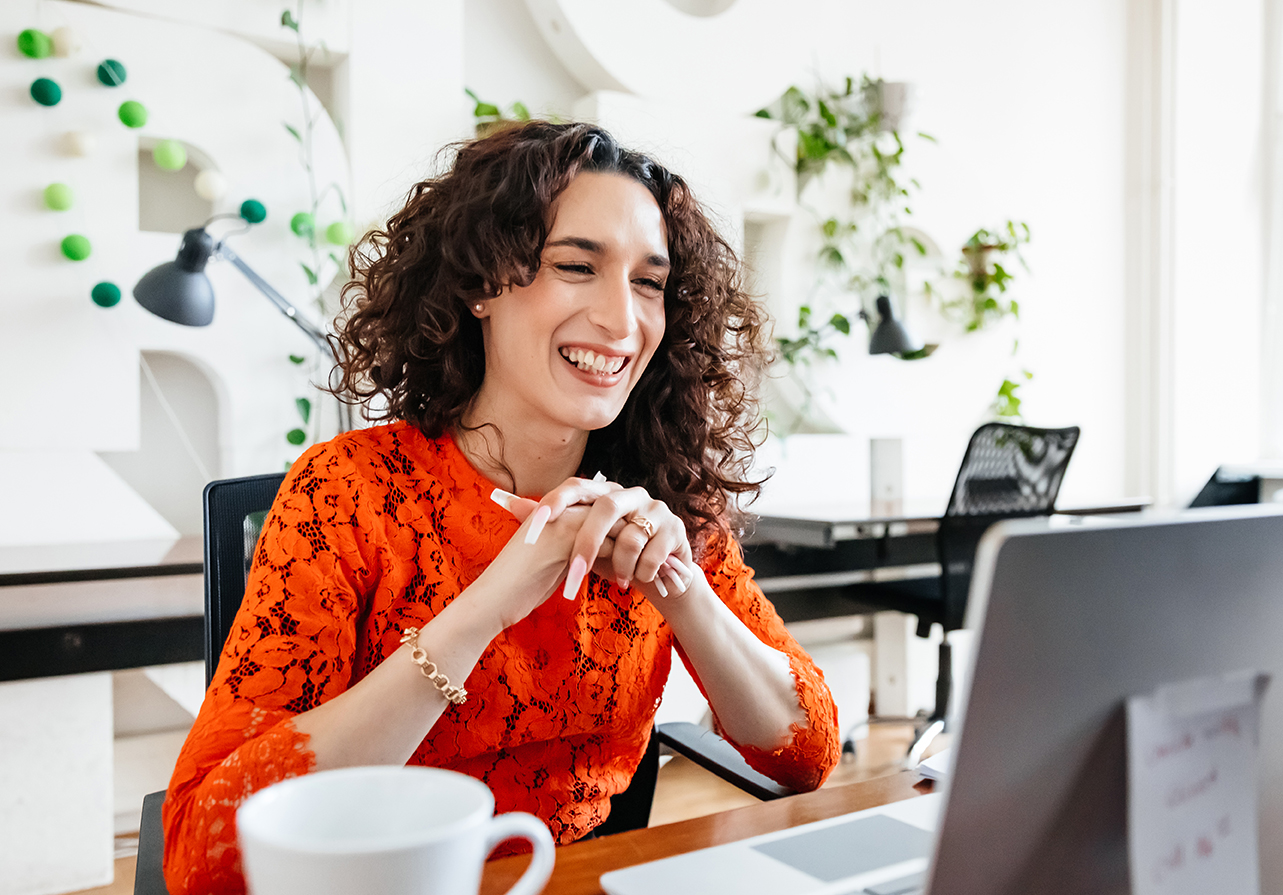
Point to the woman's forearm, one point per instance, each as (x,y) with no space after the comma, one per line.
(383,718)
(749,684)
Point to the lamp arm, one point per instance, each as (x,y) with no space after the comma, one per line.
(314,332)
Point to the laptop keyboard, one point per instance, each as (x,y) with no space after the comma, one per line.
(913,884)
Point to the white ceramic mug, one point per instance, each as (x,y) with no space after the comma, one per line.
(381,831)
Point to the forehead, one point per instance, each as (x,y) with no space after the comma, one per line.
(611,208)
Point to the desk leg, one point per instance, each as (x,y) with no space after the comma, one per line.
(905,665)
(55,784)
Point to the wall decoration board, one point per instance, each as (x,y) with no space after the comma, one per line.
(222,96)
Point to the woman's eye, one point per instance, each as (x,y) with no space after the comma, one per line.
(650,284)
(575,268)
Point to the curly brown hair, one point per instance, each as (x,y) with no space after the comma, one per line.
(687,431)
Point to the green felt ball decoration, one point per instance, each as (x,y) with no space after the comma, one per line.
(132,113)
(169,155)
(46,92)
(253,211)
(105,294)
(35,44)
(296,436)
(303,224)
(111,73)
(339,233)
(76,247)
(59,197)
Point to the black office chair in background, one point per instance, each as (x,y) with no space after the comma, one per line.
(1007,472)
(235,510)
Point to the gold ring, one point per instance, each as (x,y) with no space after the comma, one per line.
(644,524)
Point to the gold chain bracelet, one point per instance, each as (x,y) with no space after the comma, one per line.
(455,695)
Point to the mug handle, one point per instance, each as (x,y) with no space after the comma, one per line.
(520,825)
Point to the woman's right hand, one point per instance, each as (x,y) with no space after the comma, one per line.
(524,575)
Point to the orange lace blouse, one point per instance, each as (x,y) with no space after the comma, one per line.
(378,530)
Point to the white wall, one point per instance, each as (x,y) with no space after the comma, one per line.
(1026,101)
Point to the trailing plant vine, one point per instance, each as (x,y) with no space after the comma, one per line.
(864,246)
(320,243)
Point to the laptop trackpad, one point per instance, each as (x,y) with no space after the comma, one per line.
(847,849)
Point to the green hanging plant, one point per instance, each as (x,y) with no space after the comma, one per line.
(323,262)
(490,118)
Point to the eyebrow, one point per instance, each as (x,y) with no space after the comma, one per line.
(597,248)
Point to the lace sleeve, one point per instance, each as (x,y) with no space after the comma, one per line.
(806,760)
(291,648)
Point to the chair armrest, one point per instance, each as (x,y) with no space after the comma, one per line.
(149,879)
(711,752)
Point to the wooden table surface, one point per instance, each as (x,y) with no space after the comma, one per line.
(580,865)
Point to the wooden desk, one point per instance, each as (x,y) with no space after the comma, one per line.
(580,865)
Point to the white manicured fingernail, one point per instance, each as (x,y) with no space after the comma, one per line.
(659,586)
(537,522)
(599,477)
(503,498)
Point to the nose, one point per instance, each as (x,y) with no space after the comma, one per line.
(614,309)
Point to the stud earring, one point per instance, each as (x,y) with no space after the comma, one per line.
(478,307)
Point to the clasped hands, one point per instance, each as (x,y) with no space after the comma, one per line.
(627,535)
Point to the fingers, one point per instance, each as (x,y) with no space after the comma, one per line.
(521,507)
(575,491)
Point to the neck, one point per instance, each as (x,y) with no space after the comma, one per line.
(526,457)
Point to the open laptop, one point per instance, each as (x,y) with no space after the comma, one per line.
(1071,621)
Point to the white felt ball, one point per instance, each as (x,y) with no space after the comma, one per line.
(81,142)
(66,42)
(210,185)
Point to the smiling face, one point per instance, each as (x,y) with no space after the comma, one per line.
(565,352)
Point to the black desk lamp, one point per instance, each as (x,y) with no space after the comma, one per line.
(890,336)
(180,291)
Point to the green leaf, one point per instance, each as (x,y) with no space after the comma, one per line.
(472,96)
(927,137)
(486,110)
(288,21)
(830,352)
(831,256)
(293,132)
(311,274)
(917,244)
(297,358)
(304,408)
(841,324)
(296,436)
(520,112)
(827,114)
(296,75)
(804,316)
(762,113)
(830,228)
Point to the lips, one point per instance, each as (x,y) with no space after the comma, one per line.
(589,361)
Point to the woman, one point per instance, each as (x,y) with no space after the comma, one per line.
(556,317)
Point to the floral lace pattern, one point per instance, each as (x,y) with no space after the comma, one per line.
(378,530)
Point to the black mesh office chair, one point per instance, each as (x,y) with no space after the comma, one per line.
(235,510)
(1007,472)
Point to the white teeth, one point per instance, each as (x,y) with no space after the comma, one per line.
(591,362)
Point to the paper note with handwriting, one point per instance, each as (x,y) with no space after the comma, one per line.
(1192,797)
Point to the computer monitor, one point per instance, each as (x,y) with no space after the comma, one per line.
(1073,621)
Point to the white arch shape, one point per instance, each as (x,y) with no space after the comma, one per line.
(740,58)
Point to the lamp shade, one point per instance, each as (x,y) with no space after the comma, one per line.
(890,336)
(179,290)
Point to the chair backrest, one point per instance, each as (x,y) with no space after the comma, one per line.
(1008,471)
(234,513)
